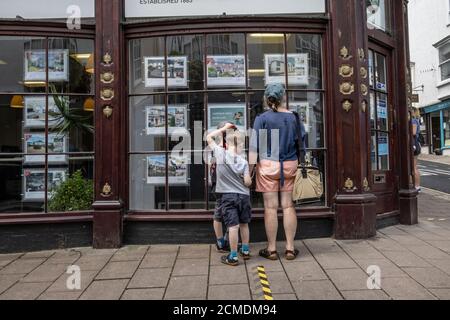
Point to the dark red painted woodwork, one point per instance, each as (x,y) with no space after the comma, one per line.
(107,229)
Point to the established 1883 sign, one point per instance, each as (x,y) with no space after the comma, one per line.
(184,8)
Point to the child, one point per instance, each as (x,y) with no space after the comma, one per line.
(233,182)
(222,244)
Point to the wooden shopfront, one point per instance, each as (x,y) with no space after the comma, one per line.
(141,80)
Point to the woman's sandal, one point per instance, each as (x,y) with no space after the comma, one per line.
(271,255)
(291,255)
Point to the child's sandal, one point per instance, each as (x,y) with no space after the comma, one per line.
(291,255)
(270,255)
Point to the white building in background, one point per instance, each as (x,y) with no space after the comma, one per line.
(429,31)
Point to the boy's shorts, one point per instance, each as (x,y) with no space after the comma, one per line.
(236,209)
(217,210)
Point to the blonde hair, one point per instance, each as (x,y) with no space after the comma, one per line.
(235,138)
(415,112)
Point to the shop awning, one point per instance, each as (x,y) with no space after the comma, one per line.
(437,107)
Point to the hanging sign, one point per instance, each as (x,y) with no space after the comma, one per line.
(185,8)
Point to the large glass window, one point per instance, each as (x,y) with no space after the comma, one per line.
(379,15)
(444,61)
(46,123)
(189,84)
(379,112)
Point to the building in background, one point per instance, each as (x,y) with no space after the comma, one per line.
(429,27)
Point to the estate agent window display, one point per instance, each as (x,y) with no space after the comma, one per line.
(191,83)
(46,120)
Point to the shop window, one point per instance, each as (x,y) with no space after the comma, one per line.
(444,61)
(379,15)
(46,122)
(192,83)
(379,112)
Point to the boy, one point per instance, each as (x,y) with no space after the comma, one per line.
(222,244)
(233,182)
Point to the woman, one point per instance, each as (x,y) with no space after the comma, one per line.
(277,163)
(415,120)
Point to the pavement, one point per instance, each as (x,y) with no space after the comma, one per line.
(414,263)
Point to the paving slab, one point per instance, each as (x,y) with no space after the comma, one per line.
(118,270)
(365,295)
(322,246)
(191,267)
(60,295)
(38,254)
(25,291)
(228,292)
(150,278)
(6,281)
(444,245)
(105,290)
(60,285)
(158,260)
(130,253)
(194,251)
(21,266)
(45,273)
(429,277)
(348,279)
(406,259)
(442,264)
(388,268)
(442,294)
(335,260)
(405,289)
(143,294)
(428,252)
(187,287)
(222,275)
(304,271)
(316,290)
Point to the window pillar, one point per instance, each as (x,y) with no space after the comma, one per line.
(407,192)
(355,214)
(107,227)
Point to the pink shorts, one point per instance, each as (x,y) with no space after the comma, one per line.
(268,176)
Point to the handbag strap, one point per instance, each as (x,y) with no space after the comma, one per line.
(301,144)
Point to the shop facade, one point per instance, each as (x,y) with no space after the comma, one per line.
(115,101)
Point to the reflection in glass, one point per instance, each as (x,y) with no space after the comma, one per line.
(147,182)
(226,60)
(310,108)
(144,65)
(147,123)
(186,182)
(379,15)
(380,75)
(18,62)
(71,65)
(304,53)
(383,151)
(186,114)
(72,119)
(265,59)
(190,74)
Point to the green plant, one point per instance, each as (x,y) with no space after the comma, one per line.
(68,118)
(74,194)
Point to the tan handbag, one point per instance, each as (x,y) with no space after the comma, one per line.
(308,184)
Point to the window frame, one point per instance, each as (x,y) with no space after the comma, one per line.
(146,30)
(48,30)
